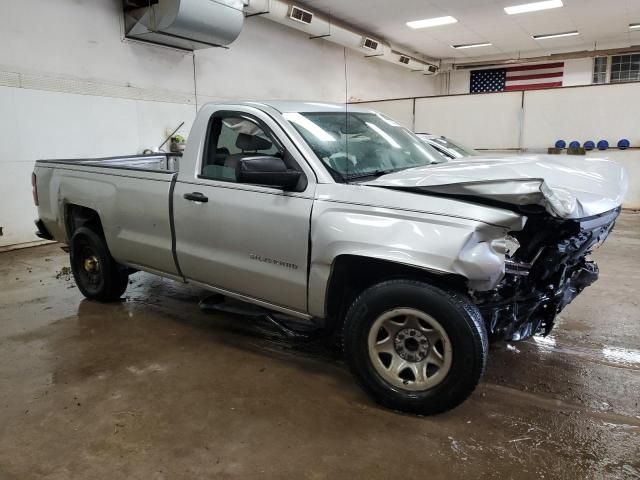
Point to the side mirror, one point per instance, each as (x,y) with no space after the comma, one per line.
(266,170)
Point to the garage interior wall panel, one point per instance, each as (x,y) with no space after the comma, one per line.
(490,121)
(269,61)
(400,110)
(598,112)
(587,113)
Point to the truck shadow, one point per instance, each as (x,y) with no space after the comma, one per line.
(154,303)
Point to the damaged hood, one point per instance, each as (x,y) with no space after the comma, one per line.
(567,186)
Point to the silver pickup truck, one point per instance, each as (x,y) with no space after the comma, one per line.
(341,217)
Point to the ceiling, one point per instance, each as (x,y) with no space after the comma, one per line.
(602,24)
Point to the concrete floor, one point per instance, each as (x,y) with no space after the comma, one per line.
(153,388)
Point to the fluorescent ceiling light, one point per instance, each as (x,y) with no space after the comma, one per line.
(533,7)
(555,35)
(634,26)
(472,45)
(431,22)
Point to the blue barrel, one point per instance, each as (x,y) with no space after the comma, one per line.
(624,144)
(589,145)
(574,144)
(561,144)
(603,145)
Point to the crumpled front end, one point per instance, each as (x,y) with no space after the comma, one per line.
(558,201)
(543,274)
(565,187)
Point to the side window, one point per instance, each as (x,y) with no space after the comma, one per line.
(230,138)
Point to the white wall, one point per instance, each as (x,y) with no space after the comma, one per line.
(83,39)
(269,61)
(71,86)
(490,120)
(595,112)
(400,110)
(39,124)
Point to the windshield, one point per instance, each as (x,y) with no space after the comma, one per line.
(455,149)
(359,145)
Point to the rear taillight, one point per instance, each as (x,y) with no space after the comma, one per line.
(34,189)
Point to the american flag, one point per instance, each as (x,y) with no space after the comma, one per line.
(523,77)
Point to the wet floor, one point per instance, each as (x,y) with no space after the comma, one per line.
(154,388)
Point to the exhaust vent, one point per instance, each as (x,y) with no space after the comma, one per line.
(185,24)
(300,15)
(404,60)
(370,44)
(430,69)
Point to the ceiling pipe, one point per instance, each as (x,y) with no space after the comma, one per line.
(320,26)
(547,58)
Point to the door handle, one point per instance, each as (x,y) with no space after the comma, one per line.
(196,197)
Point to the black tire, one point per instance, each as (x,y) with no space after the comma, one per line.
(459,318)
(96,273)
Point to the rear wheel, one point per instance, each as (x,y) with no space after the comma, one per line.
(414,347)
(96,273)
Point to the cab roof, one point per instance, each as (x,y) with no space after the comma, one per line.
(286,106)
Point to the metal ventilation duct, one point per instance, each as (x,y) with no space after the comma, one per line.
(186,24)
(319,26)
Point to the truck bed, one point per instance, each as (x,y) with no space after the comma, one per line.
(132,195)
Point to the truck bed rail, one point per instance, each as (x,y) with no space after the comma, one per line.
(156,162)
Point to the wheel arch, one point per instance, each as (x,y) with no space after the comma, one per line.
(76,216)
(351,274)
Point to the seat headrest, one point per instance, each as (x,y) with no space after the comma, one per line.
(252,142)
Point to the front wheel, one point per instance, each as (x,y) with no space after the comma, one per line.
(96,273)
(414,347)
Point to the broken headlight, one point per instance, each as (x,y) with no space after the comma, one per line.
(507,245)
(511,245)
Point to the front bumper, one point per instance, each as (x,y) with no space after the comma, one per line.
(521,316)
(539,286)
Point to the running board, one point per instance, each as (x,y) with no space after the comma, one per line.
(293,333)
(283,323)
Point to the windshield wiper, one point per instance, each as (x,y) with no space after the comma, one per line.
(373,174)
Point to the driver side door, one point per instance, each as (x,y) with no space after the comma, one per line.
(243,239)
